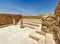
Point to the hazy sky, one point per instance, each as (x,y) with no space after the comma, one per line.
(28,7)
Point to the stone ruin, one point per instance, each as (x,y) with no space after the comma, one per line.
(51,24)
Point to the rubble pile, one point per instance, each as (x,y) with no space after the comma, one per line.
(50,25)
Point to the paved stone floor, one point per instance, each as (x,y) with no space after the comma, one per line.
(14,35)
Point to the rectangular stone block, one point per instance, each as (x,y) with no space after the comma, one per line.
(49,39)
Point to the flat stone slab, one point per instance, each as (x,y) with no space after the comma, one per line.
(36,36)
(15,35)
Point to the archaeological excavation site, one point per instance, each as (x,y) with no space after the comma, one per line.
(38,29)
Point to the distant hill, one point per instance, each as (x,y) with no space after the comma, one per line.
(36,16)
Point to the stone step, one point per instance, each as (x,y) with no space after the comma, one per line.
(38,23)
(32,20)
(30,26)
(35,36)
(41,32)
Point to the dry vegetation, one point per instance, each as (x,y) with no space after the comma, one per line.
(8,18)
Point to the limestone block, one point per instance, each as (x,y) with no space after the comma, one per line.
(21,23)
(36,36)
(14,22)
(49,39)
(39,27)
(41,32)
